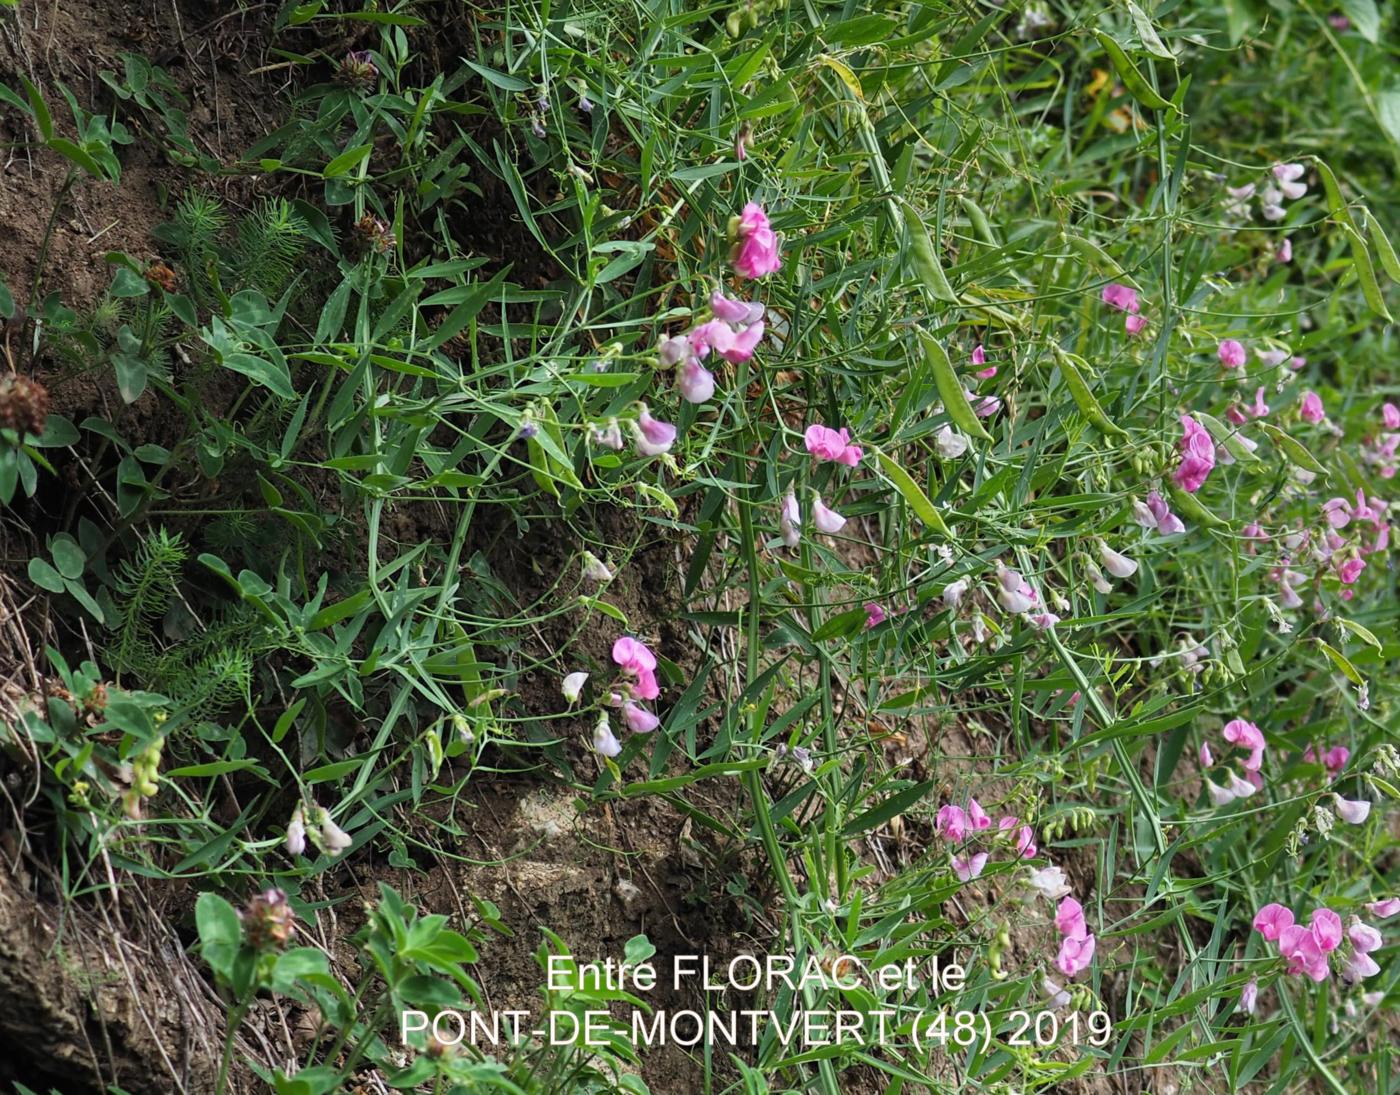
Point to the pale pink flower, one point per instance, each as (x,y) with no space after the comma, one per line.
(296,832)
(1050,882)
(1231,353)
(1260,408)
(1385,908)
(1168,523)
(826,520)
(1285,250)
(976,816)
(1134,325)
(639,719)
(756,249)
(1219,796)
(740,313)
(1352,811)
(1207,759)
(1390,415)
(790,521)
(970,867)
(695,382)
(1249,997)
(1364,937)
(653,437)
(1120,566)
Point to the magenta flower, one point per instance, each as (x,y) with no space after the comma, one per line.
(1326,928)
(951,823)
(1300,947)
(633,655)
(1120,297)
(1312,409)
(1247,736)
(1076,954)
(979,357)
(1272,920)
(756,249)
(741,313)
(1350,570)
(827,444)
(1231,353)
(1390,415)
(976,816)
(1197,455)
(1336,759)
(874,615)
(1069,919)
(1134,325)
(653,437)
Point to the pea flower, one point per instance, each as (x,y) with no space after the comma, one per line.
(1076,955)
(1247,736)
(826,520)
(296,832)
(1121,297)
(1300,947)
(1069,919)
(1352,811)
(756,244)
(1049,882)
(609,436)
(741,313)
(1384,908)
(653,437)
(976,816)
(594,569)
(825,443)
(1120,566)
(1326,929)
(572,686)
(1156,514)
(954,592)
(790,521)
(604,743)
(333,839)
(979,357)
(951,823)
(639,720)
(874,615)
(1285,250)
(1272,920)
(970,867)
(695,383)
(1390,415)
(950,443)
(1311,407)
(1134,325)
(1231,353)
(1287,176)
(1013,593)
(1197,455)
(1249,997)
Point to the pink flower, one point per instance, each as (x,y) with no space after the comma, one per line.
(1121,297)
(1206,758)
(1075,955)
(741,313)
(653,436)
(969,868)
(1231,353)
(951,823)
(1364,937)
(1197,455)
(979,357)
(1326,928)
(1352,811)
(874,615)
(1390,415)
(826,520)
(1247,736)
(1260,408)
(827,444)
(1168,523)
(1384,908)
(1249,996)
(639,719)
(790,521)
(1134,325)
(632,655)
(647,687)
(1358,966)
(1300,947)
(696,383)
(1272,920)
(976,816)
(1351,570)
(1069,919)
(1312,409)
(1285,250)
(756,250)
(1025,840)
(1336,758)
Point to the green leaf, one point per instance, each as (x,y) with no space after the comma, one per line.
(1388,107)
(69,557)
(217,921)
(42,574)
(913,494)
(267,373)
(1365,17)
(346,161)
(128,283)
(950,389)
(41,111)
(894,805)
(1147,34)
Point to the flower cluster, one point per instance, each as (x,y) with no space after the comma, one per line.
(959,826)
(1308,949)
(1076,941)
(638,682)
(1283,184)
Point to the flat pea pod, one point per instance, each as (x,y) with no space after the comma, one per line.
(1190,507)
(1366,273)
(978,219)
(1293,449)
(1336,204)
(926,263)
(1133,80)
(1227,436)
(913,494)
(1384,251)
(1072,369)
(950,389)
